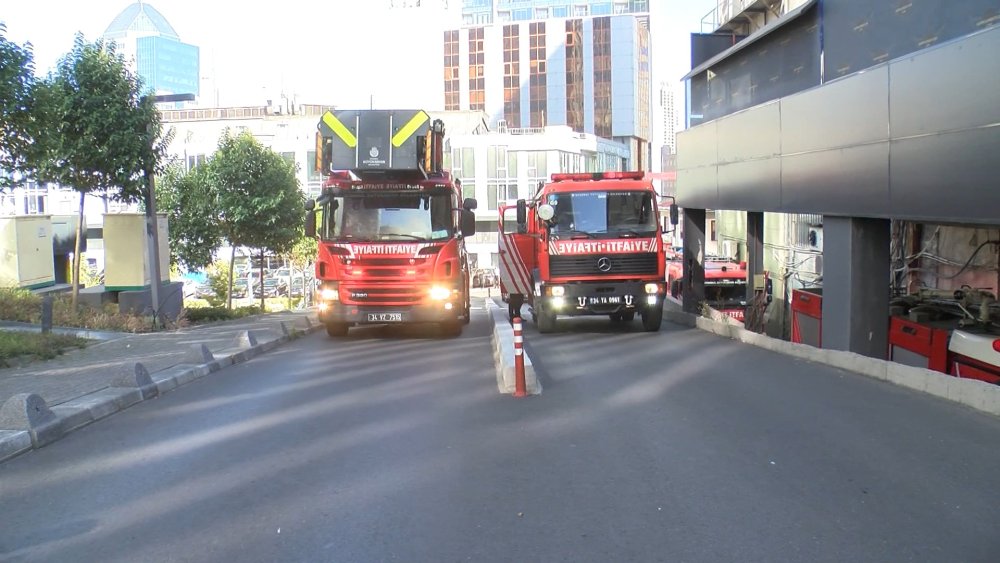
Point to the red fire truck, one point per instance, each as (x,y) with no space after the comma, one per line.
(390,223)
(586,244)
(725,284)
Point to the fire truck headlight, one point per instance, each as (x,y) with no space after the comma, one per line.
(558,302)
(329,294)
(557,291)
(652,288)
(651,299)
(439,293)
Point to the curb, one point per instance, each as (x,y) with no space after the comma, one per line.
(973,393)
(503,356)
(27,423)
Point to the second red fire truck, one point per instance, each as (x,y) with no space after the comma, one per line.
(585,244)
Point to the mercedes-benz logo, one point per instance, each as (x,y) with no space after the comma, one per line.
(604,264)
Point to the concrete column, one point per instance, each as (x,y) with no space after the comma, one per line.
(694,260)
(856,268)
(755,249)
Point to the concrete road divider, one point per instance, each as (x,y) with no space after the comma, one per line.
(503,356)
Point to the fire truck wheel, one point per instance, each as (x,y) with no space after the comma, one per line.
(451,329)
(336,329)
(545,320)
(651,319)
(467,318)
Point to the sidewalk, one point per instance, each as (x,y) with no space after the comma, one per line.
(81,372)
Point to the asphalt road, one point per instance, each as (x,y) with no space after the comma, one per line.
(395,446)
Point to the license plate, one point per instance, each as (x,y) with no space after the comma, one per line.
(605,300)
(385,317)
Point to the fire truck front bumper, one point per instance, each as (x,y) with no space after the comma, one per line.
(337,312)
(601,298)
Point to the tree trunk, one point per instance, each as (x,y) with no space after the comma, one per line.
(229,291)
(76,253)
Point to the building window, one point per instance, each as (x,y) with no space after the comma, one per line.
(644,86)
(312,175)
(581,11)
(34,199)
(477,81)
(451,79)
(602,77)
(511,75)
(536,78)
(574,74)
(195,160)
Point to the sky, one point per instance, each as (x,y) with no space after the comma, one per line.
(350,53)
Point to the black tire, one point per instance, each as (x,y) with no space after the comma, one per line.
(451,329)
(514,304)
(335,330)
(545,320)
(467,318)
(652,319)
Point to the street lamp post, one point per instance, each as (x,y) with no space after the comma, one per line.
(152,229)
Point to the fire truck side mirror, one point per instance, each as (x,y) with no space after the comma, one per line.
(522,216)
(674,214)
(311,223)
(468,223)
(470,204)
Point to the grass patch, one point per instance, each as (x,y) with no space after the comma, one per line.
(24,306)
(201,315)
(17,344)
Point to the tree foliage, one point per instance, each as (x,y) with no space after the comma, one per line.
(189,200)
(106,132)
(18,128)
(260,204)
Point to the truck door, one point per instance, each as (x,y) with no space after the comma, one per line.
(516,255)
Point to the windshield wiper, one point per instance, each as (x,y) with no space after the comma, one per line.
(414,237)
(573,233)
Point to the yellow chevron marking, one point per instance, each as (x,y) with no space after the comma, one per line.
(340,130)
(411,126)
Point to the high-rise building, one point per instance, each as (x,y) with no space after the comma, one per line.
(165,64)
(668,111)
(536,63)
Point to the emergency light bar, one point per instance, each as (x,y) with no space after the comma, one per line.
(584,176)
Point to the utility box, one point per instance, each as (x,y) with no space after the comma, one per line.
(26,251)
(126,251)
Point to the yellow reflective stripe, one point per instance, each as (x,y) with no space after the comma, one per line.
(411,126)
(340,130)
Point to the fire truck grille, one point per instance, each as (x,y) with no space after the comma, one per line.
(591,265)
(383,295)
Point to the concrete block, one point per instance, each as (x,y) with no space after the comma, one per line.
(271,344)
(198,354)
(28,412)
(73,416)
(246,339)
(309,323)
(137,377)
(99,404)
(13,443)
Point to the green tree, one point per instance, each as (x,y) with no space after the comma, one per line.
(301,257)
(189,200)
(260,204)
(17,124)
(106,136)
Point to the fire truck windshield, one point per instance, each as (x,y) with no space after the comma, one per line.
(725,292)
(603,214)
(387,217)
